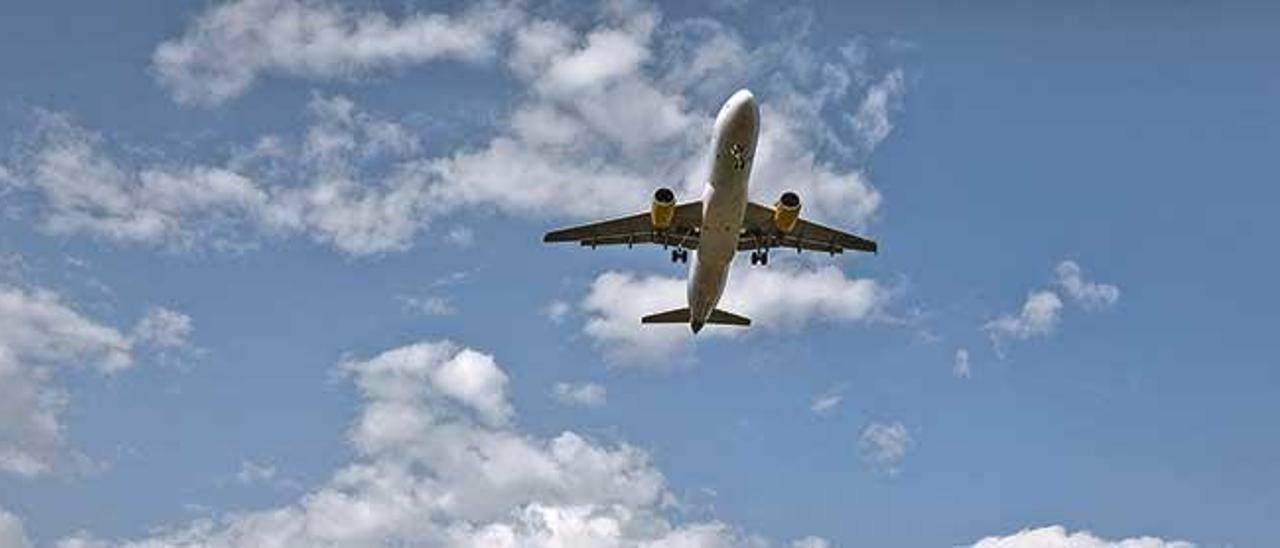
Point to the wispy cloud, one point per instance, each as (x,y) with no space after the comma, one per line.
(884,445)
(229,46)
(430,305)
(960,368)
(827,402)
(587,394)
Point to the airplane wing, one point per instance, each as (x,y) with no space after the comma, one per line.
(637,229)
(758,231)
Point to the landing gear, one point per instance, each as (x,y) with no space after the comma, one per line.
(679,255)
(760,257)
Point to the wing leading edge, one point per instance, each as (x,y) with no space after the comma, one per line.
(759,232)
(637,229)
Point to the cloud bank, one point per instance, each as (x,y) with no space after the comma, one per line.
(440,462)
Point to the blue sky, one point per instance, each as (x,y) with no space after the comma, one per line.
(270,271)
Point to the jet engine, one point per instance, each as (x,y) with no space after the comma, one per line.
(786,212)
(663,210)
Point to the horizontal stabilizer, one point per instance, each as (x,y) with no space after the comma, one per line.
(681,315)
(727,318)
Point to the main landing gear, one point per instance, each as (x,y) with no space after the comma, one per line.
(679,255)
(760,257)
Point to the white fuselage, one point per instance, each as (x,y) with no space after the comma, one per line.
(724,203)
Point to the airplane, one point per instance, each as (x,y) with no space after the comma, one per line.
(719,225)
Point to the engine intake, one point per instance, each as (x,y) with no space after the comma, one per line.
(663,210)
(786,213)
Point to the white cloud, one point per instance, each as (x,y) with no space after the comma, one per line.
(811,542)
(960,365)
(37,333)
(826,403)
(1038,317)
(252,472)
(460,236)
(12,534)
(227,47)
(431,305)
(1089,295)
(557,310)
(85,190)
(163,328)
(587,394)
(605,112)
(1057,536)
(884,444)
(872,119)
(1043,308)
(784,296)
(433,467)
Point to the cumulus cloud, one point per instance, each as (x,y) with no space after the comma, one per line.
(230,45)
(12,533)
(1043,308)
(439,463)
(884,444)
(39,332)
(606,110)
(1057,536)
(1038,316)
(785,296)
(587,394)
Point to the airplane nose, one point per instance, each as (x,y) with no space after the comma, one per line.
(743,105)
(740,112)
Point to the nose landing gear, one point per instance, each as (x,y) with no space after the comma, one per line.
(679,255)
(760,257)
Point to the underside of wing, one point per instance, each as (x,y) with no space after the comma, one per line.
(681,231)
(760,231)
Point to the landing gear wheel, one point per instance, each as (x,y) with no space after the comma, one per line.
(679,255)
(764,258)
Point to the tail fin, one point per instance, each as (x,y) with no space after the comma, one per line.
(681,315)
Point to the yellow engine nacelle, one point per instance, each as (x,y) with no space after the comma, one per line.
(663,210)
(786,213)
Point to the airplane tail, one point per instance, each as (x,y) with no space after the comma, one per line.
(681,315)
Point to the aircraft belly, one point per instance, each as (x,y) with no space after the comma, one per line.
(724,207)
